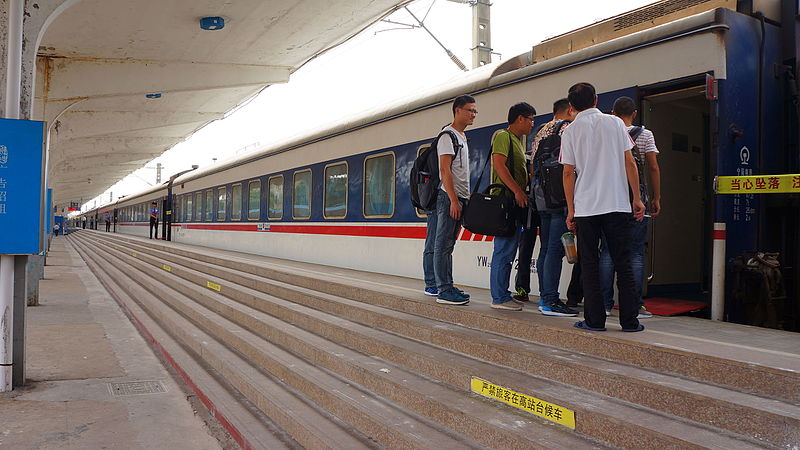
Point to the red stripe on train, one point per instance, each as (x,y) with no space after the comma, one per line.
(338,230)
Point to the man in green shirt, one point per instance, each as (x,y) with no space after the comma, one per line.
(509,169)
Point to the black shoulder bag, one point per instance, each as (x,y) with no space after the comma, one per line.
(488,214)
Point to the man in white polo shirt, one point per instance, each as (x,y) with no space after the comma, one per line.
(598,170)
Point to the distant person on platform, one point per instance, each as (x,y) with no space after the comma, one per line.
(83,221)
(153,219)
(108,224)
(598,170)
(56,229)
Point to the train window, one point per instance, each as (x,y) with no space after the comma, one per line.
(301,194)
(335,199)
(276,197)
(222,197)
(188,204)
(236,202)
(209,205)
(379,184)
(254,200)
(198,206)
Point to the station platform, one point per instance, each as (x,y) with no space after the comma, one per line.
(92,380)
(285,354)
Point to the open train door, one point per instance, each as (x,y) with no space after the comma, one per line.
(164,217)
(678,255)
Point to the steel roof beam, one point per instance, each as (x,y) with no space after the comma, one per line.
(77,78)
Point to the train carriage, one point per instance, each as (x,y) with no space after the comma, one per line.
(705,84)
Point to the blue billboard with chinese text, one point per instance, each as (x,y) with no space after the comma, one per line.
(21,186)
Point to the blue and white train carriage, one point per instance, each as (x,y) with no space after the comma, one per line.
(707,83)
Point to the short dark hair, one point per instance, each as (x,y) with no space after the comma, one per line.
(560,106)
(581,96)
(153,202)
(520,109)
(624,107)
(462,100)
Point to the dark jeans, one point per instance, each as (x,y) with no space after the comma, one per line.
(575,289)
(637,243)
(447,230)
(153,225)
(551,257)
(615,227)
(427,253)
(527,241)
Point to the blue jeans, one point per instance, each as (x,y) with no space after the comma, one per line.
(447,230)
(505,249)
(637,241)
(427,253)
(551,256)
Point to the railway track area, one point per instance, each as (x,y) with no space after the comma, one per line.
(298,358)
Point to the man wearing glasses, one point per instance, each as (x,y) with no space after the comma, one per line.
(510,170)
(453,195)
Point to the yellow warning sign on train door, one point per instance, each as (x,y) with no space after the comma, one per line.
(758,184)
(533,405)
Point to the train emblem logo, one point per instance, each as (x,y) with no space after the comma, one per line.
(3,156)
(744,156)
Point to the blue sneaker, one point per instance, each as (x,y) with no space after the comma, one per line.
(451,296)
(432,291)
(463,294)
(557,309)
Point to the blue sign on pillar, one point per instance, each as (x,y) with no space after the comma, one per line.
(21,186)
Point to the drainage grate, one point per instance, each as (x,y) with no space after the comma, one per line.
(136,388)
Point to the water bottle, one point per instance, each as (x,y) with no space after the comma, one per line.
(570,249)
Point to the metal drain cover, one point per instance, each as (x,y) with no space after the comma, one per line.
(136,388)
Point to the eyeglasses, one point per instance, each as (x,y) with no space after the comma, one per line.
(470,110)
(531,118)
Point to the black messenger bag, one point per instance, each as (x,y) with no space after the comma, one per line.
(488,214)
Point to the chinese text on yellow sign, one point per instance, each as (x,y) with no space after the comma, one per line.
(758,184)
(524,402)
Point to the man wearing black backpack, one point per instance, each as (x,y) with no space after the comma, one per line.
(646,154)
(599,169)
(452,197)
(552,212)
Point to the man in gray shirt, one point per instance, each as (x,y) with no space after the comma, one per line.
(453,195)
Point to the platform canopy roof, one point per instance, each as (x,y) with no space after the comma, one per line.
(100,59)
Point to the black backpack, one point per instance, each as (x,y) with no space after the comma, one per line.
(547,181)
(424,180)
(640,163)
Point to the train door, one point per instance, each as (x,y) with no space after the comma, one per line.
(678,253)
(166,218)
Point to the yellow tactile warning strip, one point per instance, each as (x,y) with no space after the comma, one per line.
(166,267)
(213,286)
(533,405)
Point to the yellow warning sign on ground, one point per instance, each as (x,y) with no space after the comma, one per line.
(758,184)
(533,405)
(213,286)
